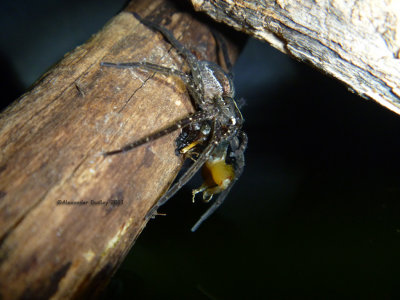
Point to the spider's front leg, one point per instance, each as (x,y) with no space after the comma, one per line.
(219,171)
(196,117)
(227,176)
(203,157)
(149,67)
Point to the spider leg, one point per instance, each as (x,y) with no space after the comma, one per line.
(239,150)
(159,69)
(150,67)
(197,117)
(196,84)
(183,179)
(241,102)
(170,38)
(222,45)
(220,199)
(239,154)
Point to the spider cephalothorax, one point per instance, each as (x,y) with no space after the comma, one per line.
(212,136)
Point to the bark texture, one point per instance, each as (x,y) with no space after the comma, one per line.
(357,42)
(68,216)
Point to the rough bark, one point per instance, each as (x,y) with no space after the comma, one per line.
(52,138)
(357,42)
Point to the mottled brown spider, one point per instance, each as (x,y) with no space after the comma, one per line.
(212,136)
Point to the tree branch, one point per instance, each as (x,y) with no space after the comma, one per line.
(52,139)
(357,42)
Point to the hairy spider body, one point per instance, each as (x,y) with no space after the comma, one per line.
(211,136)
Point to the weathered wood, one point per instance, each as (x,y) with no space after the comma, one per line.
(357,42)
(52,139)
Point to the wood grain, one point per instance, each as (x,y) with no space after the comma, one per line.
(357,42)
(57,240)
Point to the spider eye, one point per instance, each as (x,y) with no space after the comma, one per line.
(206,129)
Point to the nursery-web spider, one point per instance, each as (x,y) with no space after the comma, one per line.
(212,136)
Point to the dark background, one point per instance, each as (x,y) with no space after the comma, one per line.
(316,212)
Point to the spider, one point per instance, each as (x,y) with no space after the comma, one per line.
(212,136)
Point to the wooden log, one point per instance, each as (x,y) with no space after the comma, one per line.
(356,42)
(68,215)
